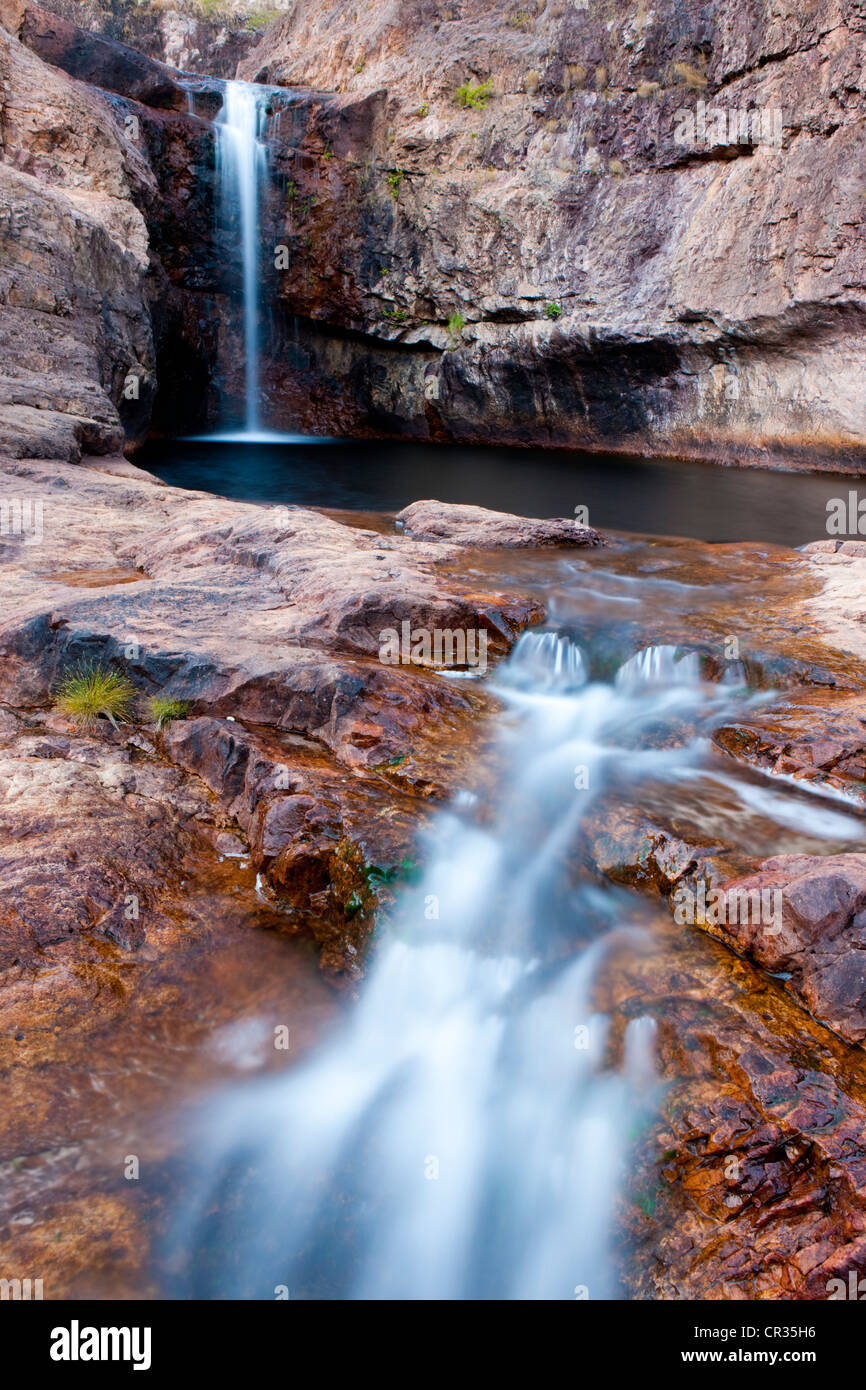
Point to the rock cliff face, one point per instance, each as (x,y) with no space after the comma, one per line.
(110,280)
(610,227)
(650,220)
(185,34)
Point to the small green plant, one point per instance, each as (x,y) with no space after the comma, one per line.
(360,65)
(92,690)
(395,314)
(163,709)
(407,871)
(456,324)
(521,20)
(394,180)
(553,310)
(423,110)
(260,19)
(397,761)
(327,152)
(474,97)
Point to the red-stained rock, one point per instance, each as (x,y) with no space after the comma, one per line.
(819,939)
(268,622)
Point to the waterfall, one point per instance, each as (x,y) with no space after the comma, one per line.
(660,666)
(466,1132)
(241,169)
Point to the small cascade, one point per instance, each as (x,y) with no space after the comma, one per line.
(660,666)
(242,169)
(545,660)
(466,1133)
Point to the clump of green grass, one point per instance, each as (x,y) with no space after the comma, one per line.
(553,310)
(394,180)
(456,324)
(260,19)
(92,690)
(475,97)
(163,709)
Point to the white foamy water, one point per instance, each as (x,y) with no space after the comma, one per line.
(465,1134)
(241,169)
(661,665)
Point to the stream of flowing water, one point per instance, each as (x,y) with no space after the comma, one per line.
(465,1134)
(241,170)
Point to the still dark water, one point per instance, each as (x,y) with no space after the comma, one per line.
(657,497)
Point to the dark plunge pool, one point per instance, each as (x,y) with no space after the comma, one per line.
(660,497)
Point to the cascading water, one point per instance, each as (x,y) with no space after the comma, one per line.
(241,169)
(465,1134)
(659,665)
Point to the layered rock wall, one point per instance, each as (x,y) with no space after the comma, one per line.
(643,225)
(109,282)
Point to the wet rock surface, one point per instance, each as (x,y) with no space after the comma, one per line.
(750,1185)
(148,867)
(266,624)
(816,938)
(479,272)
(154,869)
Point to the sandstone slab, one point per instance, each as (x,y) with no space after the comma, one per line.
(483,529)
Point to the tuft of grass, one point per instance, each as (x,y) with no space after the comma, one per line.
(456,324)
(691,76)
(474,97)
(260,19)
(553,310)
(394,180)
(91,690)
(163,709)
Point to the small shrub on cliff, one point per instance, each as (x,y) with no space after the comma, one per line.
(260,19)
(456,324)
(691,76)
(475,97)
(553,310)
(163,709)
(394,180)
(91,690)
